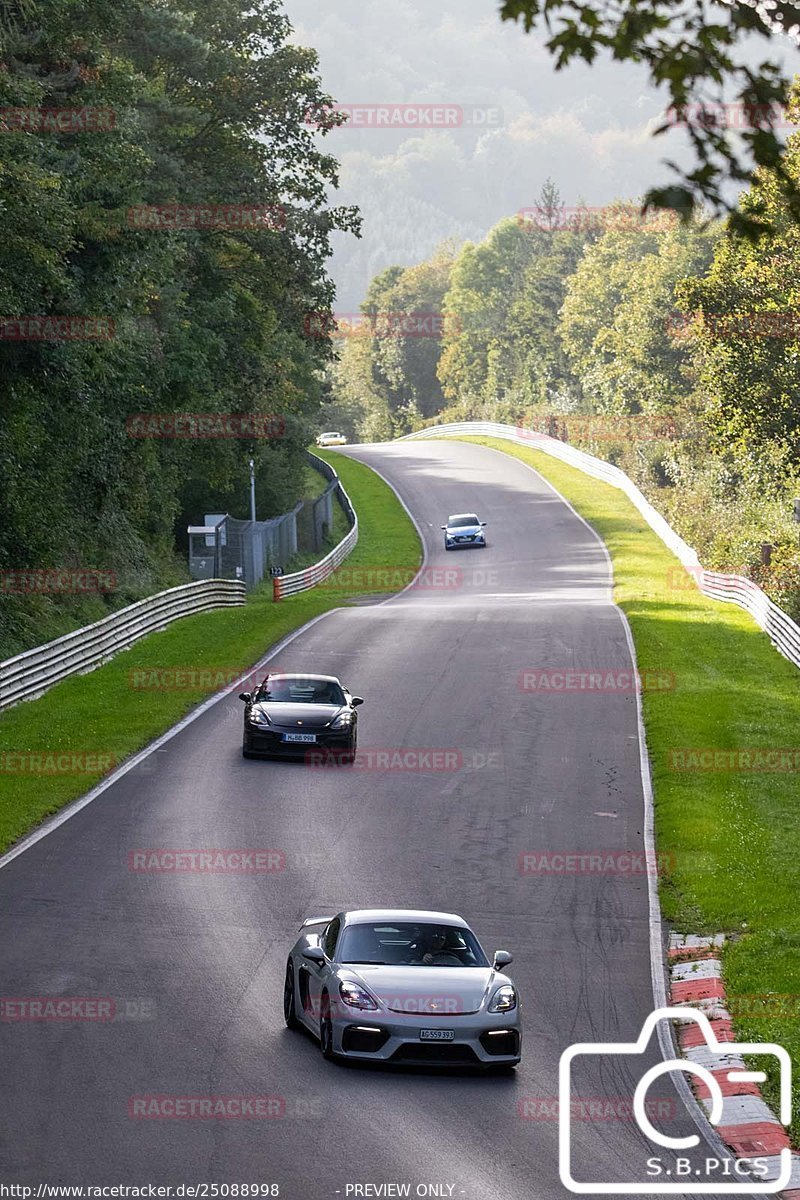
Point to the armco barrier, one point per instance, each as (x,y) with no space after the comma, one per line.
(35,671)
(301,581)
(735,589)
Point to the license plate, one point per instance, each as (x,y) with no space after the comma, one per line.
(436,1035)
(299,737)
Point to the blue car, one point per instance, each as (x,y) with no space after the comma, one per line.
(463,530)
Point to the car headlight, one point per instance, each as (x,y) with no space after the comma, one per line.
(342,720)
(259,717)
(355,996)
(504,999)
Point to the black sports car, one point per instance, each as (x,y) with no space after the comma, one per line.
(310,716)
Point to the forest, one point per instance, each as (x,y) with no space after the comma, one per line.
(668,347)
(165,229)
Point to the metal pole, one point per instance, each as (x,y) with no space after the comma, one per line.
(252,490)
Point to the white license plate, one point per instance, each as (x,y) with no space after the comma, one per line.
(436,1035)
(299,737)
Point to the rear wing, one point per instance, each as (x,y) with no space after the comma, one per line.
(316,921)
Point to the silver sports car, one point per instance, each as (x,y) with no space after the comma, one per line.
(401,986)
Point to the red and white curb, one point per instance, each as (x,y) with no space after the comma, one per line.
(748,1126)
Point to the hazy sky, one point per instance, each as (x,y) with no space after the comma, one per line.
(585,127)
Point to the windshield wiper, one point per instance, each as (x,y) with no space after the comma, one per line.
(362,962)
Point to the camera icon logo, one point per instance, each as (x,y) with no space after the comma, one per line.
(687,1185)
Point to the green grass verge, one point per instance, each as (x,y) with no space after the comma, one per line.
(732,836)
(109,714)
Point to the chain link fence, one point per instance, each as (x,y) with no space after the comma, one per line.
(226,547)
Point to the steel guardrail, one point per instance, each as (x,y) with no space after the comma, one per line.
(35,671)
(783,632)
(302,581)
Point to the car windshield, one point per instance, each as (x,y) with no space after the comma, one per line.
(301,691)
(462,522)
(410,944)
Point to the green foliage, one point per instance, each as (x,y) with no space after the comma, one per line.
(699,53)
(103,713)
(615,321)
(636,343)
(477,352)
(749,370)
(732,690)
(209,104)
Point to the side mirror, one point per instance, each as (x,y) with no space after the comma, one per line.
(356,700)
(314,954)
(501,959)
(246,696)
(443,527)
(483,524)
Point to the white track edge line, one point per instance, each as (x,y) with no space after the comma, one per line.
(64,815)
(409,514)
(75,806)
(658,966)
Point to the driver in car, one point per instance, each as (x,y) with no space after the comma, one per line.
(435,952)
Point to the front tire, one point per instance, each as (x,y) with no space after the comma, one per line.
(326,1028)
(289,1011)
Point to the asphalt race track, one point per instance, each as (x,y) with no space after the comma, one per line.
(194,962)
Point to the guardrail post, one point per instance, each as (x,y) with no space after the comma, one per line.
(276,589)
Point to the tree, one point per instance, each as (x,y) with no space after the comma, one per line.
(477,352)
(745,331)
(209,104)
(695,51)
(616,325)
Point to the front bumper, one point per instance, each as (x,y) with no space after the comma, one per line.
(464,543)
(481,1039)
(268,740)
